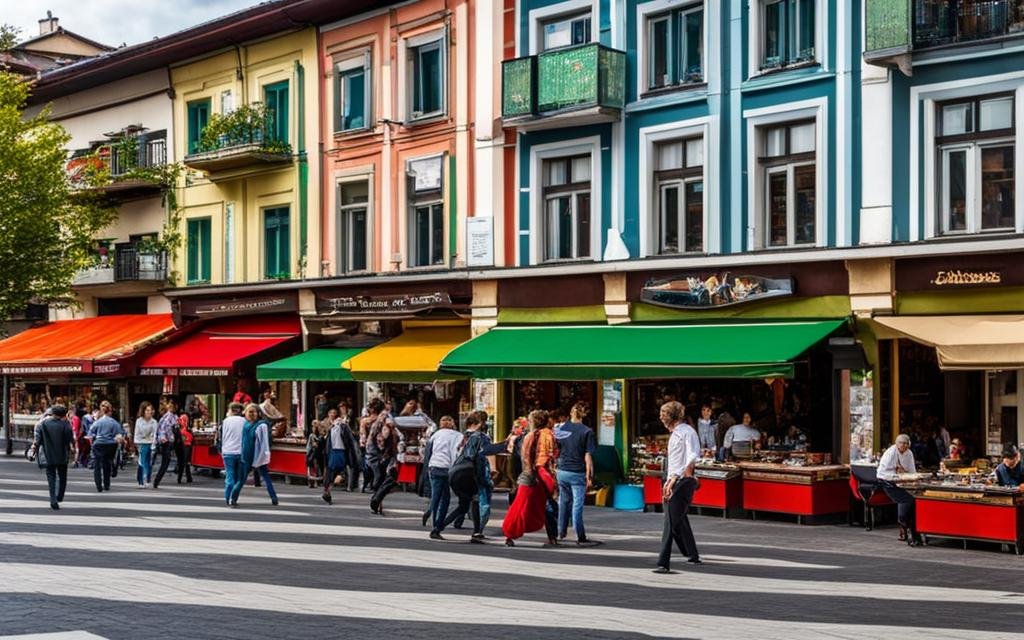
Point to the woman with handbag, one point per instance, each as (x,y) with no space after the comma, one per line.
(314,455)
(532,508)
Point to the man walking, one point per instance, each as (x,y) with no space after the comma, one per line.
(473,485)
(444,445)
(231,450)
(677,493)
(54,444)
(106,434)
(576,448)
(165,439)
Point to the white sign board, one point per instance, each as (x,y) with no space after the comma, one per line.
(480,241)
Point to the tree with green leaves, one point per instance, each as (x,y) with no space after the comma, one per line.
(9,36)
(46,228)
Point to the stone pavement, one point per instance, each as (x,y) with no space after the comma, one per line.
(176,563)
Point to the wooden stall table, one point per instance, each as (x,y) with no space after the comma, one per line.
(812,490)
(721,487)
(970,512)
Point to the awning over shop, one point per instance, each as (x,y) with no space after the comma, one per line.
(88,345)
(752,350)
(413,356)
(214,349)
(321,365)
(966,342)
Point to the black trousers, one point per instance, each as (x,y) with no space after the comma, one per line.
(103,462)
(388,479)
(353,476)
(164,451)
(904,504)
(465,507)
(57,478)
(677,524)
(185,463)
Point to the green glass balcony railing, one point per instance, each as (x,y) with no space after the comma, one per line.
(568,79)
(894,27)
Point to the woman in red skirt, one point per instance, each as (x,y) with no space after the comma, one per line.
(533,507)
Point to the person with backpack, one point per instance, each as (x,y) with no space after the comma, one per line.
(53,446)
(470,477)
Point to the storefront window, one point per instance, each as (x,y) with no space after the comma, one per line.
(1005,397)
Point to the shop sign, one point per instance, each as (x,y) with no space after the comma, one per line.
(184,373)
(955,277)
(113,367)
(266,304)
(480,241)
(382,305)
(690,292)
(14,370)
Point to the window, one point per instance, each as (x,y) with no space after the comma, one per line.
(679,192)
(275,96)
(975,145)
(352,94)
(198,116)
(353,225)
(276,244)
(426,211)
(790,183)
(675,46)
(227,102)
(427,79)
(566,31)
(566,208)
(198,260)
(787,32)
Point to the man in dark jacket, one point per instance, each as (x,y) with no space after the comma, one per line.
(56,441)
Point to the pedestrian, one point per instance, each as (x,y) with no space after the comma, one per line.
(470,477)
(231,451)
(575,475)
(85,453)
(514,449)
(53,444)
(185,459)
(106,435)
(145,436)
(898,459)
(314,454)
(353,454)
(337,444)
(385,465)
(76,432)
(241,396)
(444,445)
(532,508)
(680,484)
(165,439)
(372,410)
(256,449)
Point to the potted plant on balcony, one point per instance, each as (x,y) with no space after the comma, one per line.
(149,254)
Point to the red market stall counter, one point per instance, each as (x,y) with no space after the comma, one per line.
(989,514)
(721,487)
(288,458)
(811,490)
(204,454)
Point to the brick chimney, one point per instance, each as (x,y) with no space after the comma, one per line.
(48,24)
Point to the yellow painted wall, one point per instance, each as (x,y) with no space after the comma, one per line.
(254,188)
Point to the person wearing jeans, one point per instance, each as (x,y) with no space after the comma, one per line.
(106,433)
(256,449)
(144,437)
(444,447)
(165,440)
(231,451)
(576,448)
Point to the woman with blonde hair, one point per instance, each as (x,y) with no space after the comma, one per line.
(532,508)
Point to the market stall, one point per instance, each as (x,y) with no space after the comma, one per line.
(795,487)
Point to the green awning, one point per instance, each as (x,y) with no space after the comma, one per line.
(320,365)
(749,350)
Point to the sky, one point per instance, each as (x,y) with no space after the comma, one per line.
(113,22)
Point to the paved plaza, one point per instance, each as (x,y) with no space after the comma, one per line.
(133,564)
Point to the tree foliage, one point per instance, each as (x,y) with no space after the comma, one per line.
(9,36)
(46,229)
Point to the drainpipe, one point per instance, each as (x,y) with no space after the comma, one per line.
(300,76)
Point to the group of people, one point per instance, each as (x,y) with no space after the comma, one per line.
(718,435)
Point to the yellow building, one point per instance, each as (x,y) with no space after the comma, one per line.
(251,195)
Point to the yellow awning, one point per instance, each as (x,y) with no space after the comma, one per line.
(966,342)
(413,356)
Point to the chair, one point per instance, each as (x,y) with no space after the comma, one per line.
(866,490)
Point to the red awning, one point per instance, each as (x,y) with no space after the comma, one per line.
(214,349)
(88,345)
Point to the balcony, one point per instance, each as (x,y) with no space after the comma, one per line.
(238,142)
(122,169)
(898,28)
(564,87)
(123,262)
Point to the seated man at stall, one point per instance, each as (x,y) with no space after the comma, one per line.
(1010,473)
(899,459)
(742,432)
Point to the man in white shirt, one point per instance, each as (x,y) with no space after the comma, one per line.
(680,484)
(899,459)
(444,448)
(231,451)
(742,432)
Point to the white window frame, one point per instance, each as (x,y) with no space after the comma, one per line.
(755,37)
(406,78)
(573,197)
(647,16)
(541,152)
(711,49)
(681,184)
(570,18)
(411,203)
(362,60)
(546,14)
(973,184)
(790,171)
(758,119)
(342,250)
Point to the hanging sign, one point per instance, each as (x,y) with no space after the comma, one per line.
(714,291)
(401,304)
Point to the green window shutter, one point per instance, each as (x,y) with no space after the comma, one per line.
(204,249)
(197,263)
(276,243)
(275,96)
(198,116)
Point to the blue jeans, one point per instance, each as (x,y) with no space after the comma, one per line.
(483,498)
(264,472)
(234,476)
(572,488)
(440,496)
(145,463)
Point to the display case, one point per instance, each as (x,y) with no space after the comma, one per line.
(795,488)
(970,512)
(721,487)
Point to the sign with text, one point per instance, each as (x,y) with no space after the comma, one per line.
(480,241)
(239,306)
(383,305)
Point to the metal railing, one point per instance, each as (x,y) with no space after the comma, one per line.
(589,75)
(940,22)
(131,264)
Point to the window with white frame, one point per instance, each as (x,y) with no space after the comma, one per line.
(353,225)
(566,207)
(788,165)
(675,47)
(787,32)
(565,31)
(425,190)
(426,78)
(975,157)
(679,192)
(352,95)
(227,102)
